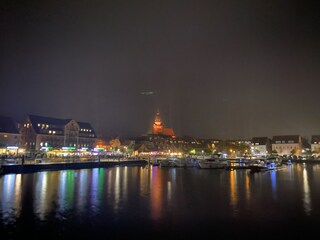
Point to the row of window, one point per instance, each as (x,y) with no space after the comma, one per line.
(27,125)
(46,126)
(43,126)
(6,136)
(70,145)
(290,141)
(280,147)
(85,130)
(86,135)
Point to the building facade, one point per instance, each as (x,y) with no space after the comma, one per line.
(38,132)
(261,146)
(287,145)
(315,144)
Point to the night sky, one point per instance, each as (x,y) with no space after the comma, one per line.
(217,69)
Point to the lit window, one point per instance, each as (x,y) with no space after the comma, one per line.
(27,125)
(90,130)
(39,124)
(5,136)
(47,126)
(46,144)
(41,144)
(54,132)
(50,132)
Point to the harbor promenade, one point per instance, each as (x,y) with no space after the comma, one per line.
(47,165)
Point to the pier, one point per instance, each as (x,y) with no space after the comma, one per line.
(36,167)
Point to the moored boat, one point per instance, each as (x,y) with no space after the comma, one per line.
(168,162)
(184,162)
(213,163)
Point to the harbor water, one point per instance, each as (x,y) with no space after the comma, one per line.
(161,203)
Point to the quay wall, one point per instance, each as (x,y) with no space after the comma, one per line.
(30,168)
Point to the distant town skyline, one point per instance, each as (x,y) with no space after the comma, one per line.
(214,69)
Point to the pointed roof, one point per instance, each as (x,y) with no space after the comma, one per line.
(157,119)
(287,138)
(168,132)
(56,124)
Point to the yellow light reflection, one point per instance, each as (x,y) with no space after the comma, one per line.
(82,183)
(40,195)
(156,193)
(117,189)
(46,190)
(233,190)
(306,193)
(248,193)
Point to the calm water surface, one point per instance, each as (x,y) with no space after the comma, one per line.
(162,203)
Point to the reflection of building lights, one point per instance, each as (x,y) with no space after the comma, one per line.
(306,193)
(233,189)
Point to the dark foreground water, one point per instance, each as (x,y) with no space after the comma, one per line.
(161,203)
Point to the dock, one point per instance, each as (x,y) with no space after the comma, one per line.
(256,169)
(37,167)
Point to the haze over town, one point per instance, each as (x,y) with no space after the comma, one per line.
(215,69)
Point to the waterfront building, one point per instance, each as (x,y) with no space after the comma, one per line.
(9,137)
(287,145)
(261,146)
(39,132)
(315,144)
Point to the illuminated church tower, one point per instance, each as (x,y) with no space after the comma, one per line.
(157,125)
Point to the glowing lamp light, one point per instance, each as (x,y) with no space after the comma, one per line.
(98,149)
(12,147)
(68,148)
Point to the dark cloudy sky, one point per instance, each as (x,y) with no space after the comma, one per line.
(218,69)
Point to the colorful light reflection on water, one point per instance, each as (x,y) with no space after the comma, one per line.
(127,199)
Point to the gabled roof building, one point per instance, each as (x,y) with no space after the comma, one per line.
(287,144)
(315,144)
(39,132)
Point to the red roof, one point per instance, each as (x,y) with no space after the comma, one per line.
(168,131)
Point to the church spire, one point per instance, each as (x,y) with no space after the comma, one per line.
(157,125)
